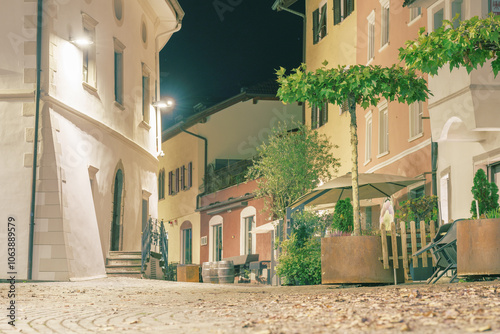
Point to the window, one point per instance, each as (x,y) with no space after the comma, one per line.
(385,13)
(368,218)
(249,225)
(416,127)
(319,115)
(444,198)
(189,175)
(145,213)
(161,184)
(341,10)
(495,173)
(371,35)
(89,51)
(415,13)
(494,6)
(368,138)
(146,94)
(456,11)
(417,192)
(119,47)
(383,132)
(319,23)
(438,18)
(215,235)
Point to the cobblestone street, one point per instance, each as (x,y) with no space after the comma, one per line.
(129,305)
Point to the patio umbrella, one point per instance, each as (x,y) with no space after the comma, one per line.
(370,186)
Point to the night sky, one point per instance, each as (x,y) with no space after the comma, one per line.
(225,45)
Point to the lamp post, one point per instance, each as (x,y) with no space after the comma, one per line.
(168,103)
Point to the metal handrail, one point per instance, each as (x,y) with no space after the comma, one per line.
(153,235)
(164,245)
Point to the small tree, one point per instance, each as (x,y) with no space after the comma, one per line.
(343,216)
(485,193)
(358,84)
(418,209)
(470,44)
(291,164)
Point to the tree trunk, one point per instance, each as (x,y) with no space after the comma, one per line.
(354,173)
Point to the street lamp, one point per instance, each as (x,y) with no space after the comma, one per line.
(161,104)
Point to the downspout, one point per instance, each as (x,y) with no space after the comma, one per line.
(205,164)
(157,87)
(434,157)
(35,140)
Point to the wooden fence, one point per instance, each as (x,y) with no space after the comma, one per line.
(412,240)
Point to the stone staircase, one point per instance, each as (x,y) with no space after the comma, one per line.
(123,264)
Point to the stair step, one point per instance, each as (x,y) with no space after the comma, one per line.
(124,255)
(132,275)
(123,262)
(121,268)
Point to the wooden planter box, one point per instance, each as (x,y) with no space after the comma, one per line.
(478,247)
(350,259)
(188,273)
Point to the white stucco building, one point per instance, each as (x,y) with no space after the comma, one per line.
(464,114)
(97,156)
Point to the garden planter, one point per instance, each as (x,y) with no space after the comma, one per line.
(478,247)
(349,259)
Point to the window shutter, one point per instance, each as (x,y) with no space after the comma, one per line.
(322,22)
(316,26)
(325,113)
(170,183)
(190,175)
(177,179)
(314,117)
(337,15)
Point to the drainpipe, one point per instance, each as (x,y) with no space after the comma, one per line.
(205,164)
(157,87)
(35,140)
(434,157)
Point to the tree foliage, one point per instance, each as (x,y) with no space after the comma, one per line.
(357,84)
(485,193)
(470,44)
(290,165)
(418,209)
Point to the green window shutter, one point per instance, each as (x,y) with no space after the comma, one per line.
(325,112)
(348,7)
(337,15)
(314,117)
(316,26)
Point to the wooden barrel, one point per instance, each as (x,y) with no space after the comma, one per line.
(205,271)
(226,272)
(214,275)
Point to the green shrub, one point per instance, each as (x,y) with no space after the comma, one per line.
(486,193)
(343,216)
(300,264)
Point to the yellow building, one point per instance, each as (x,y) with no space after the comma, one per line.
(331,35)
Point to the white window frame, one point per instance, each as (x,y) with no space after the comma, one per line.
(146,94)
(371,36)
(119,48)
(415,15)
(89,79)
(416,111)
(368,137)
(383,129)
(214,221)
(249,211)
(384,22)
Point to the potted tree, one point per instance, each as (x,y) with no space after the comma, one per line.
(478,247)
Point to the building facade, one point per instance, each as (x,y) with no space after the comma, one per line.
(95,161)
(394,138)
(463,115)
(205,146)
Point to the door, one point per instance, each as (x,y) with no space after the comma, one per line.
(217,233)
(117,211)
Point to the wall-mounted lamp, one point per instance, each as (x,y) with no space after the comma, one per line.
(163,104)
(81,41)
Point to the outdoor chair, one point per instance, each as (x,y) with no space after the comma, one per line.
(444,249)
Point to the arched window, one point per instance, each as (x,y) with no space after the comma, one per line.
(186,242)
(247,224)
(215,236)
